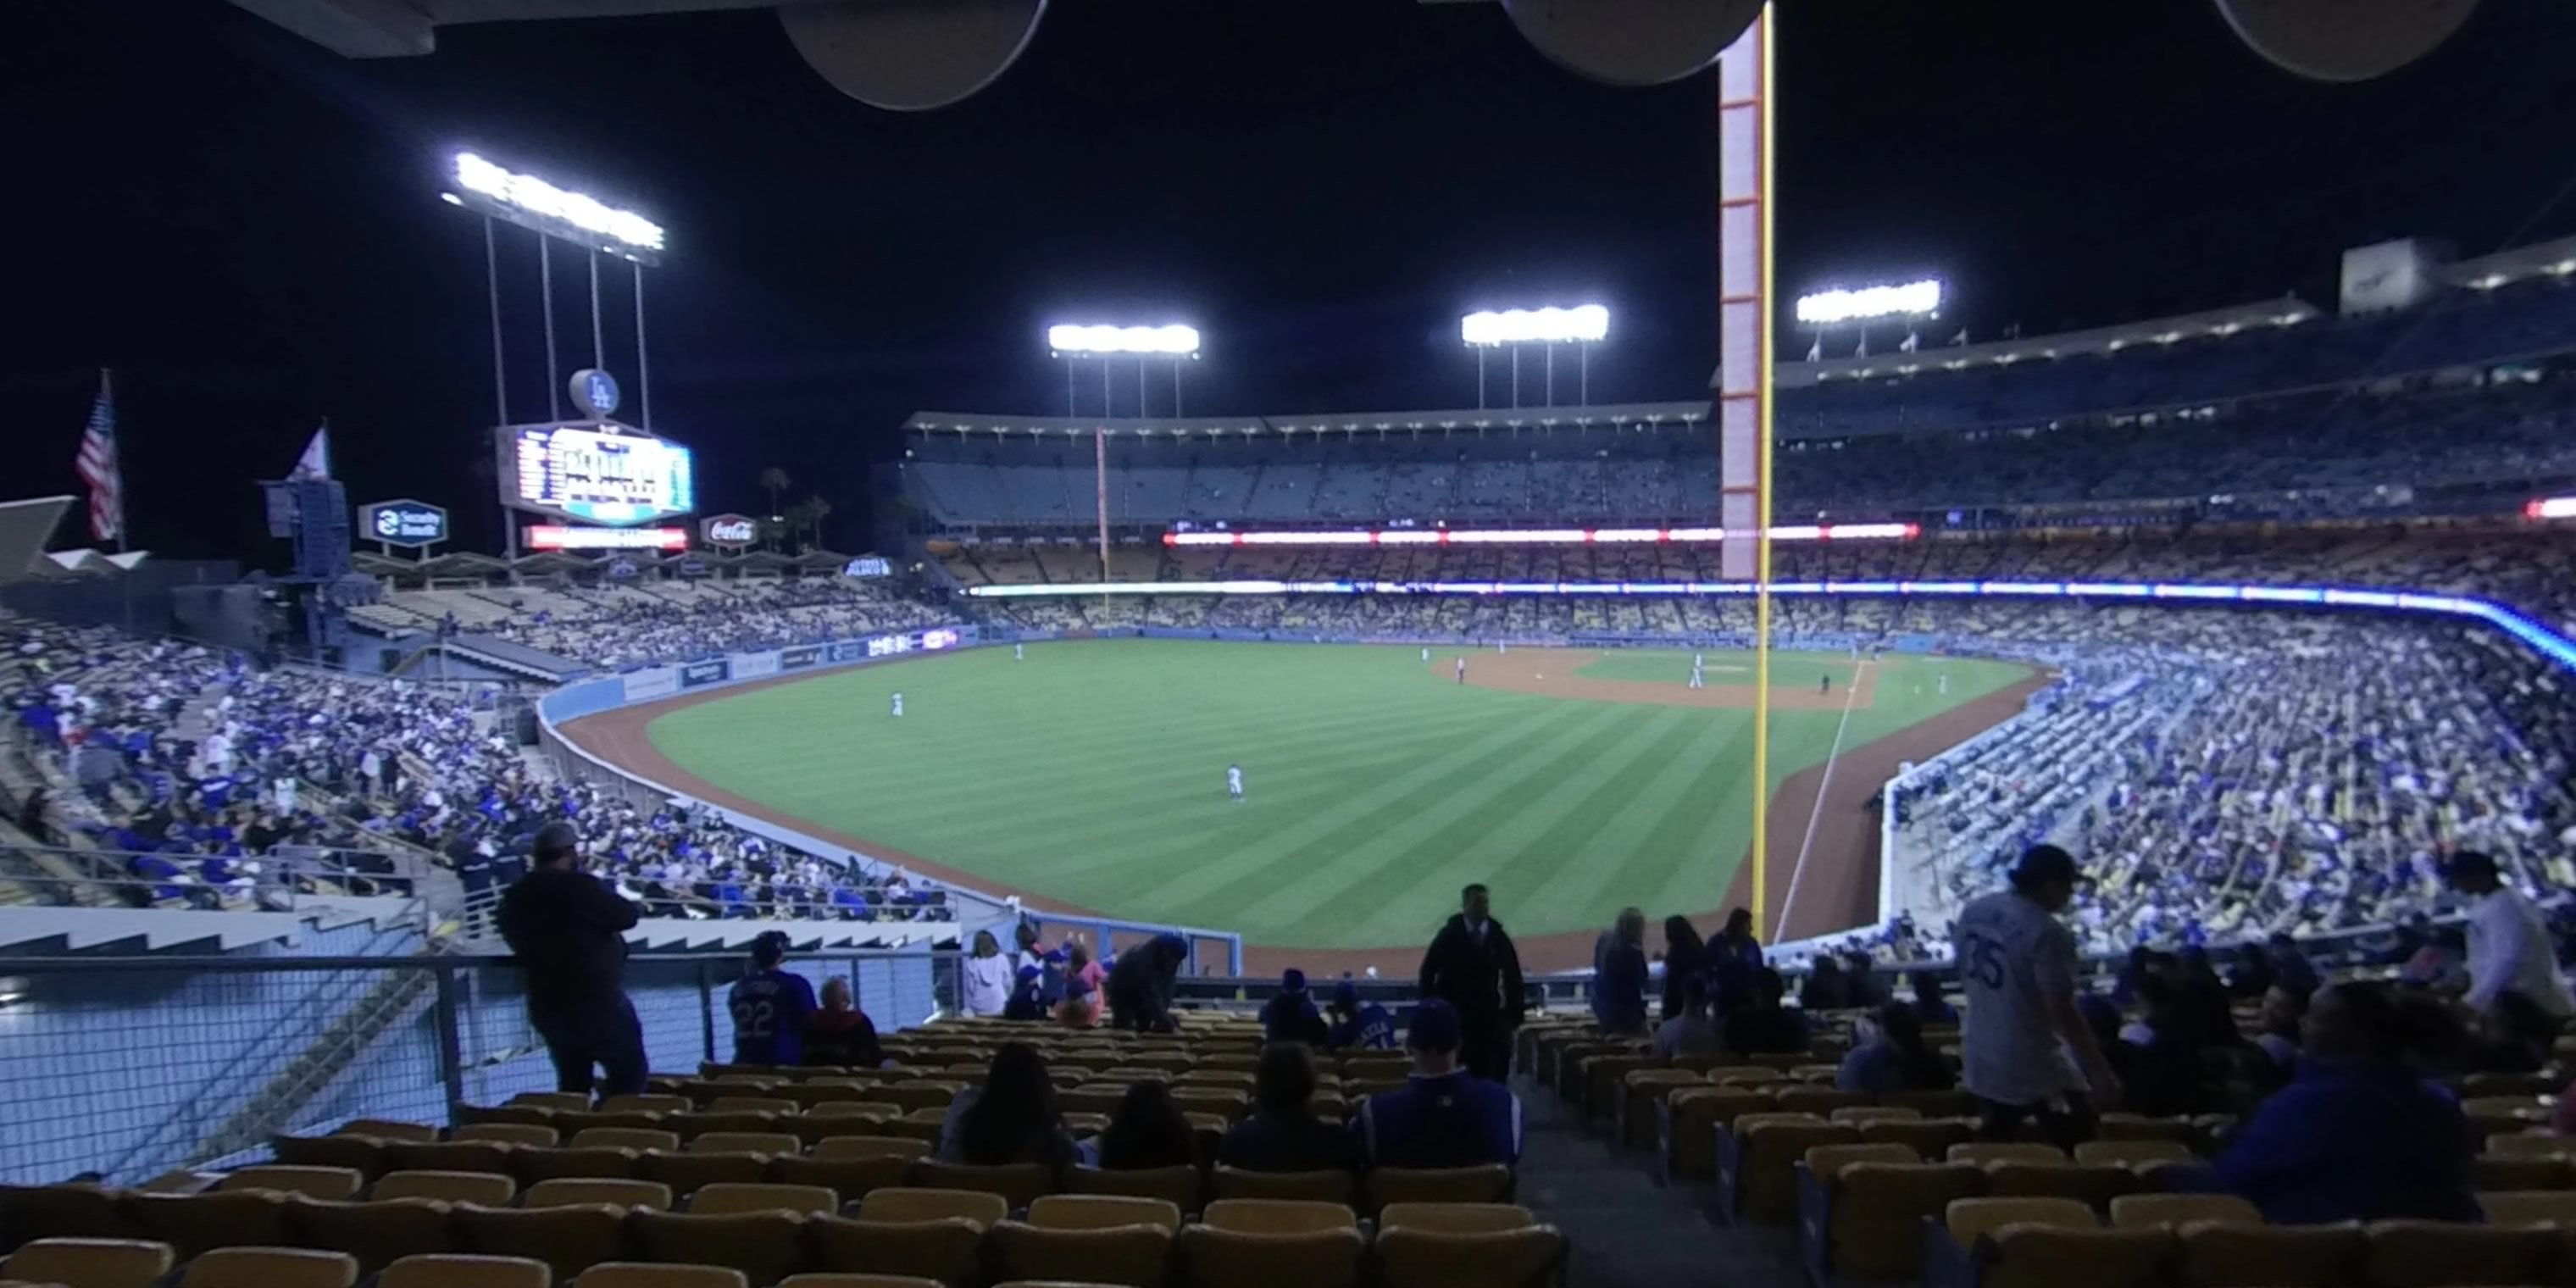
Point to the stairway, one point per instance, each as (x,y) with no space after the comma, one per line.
(1627,1231)
(273,1107)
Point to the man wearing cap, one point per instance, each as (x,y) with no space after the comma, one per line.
(2509,947)
(1356,1026)
(1444,1116)
(1473,967)
(770,1007)
(569,933)
(1290,1015)
(2017,963)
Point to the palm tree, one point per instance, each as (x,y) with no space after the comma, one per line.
(805,521)
(774,480)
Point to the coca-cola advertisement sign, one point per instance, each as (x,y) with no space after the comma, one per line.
(728,531)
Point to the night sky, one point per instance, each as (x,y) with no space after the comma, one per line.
(247,227)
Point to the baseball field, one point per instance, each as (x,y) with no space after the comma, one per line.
(1093,773)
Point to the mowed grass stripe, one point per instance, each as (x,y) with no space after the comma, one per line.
(1572,859)
(1118,832)
(1441,824)
(1470,771)
(1505,850)
(1651,851)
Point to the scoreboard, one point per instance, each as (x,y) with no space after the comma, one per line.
(595,471)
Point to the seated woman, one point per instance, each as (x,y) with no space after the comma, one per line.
(1283,1134)
(2359,1134)
(1888,1054)
(1147,1130)
(840,1033)
(1012,1118)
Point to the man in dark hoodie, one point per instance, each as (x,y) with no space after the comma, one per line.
(1140,985)
(569,933)
(1474,968)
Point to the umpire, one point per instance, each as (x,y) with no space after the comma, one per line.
(569,933)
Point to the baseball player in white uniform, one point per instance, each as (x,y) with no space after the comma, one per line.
(1426,656)
(1699,674)
(1019,652)
(898,704)
(2027,1050)
(1234,782)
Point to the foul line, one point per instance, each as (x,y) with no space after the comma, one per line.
(1817,811)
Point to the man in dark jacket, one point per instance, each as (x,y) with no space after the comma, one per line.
(1474,968)
(1140,985)
(569,933)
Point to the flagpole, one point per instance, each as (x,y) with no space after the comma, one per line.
(107,390)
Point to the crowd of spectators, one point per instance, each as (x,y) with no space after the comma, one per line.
(217,784)
(636,626)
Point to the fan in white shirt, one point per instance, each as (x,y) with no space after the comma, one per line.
(2509,946)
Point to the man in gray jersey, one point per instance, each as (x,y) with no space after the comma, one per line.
(2027,1049)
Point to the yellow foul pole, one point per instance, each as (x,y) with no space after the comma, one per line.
(1745,156)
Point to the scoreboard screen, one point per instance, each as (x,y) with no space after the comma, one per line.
(594,472)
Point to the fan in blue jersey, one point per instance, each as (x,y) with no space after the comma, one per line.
(770,1007)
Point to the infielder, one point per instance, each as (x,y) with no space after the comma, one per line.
(898,704)
(1019,652)
(1426,656)
(1462,670)
(1234,782)
(1699,678)
(1942,682)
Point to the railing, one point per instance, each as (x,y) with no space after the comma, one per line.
(132,1066)
(286,879)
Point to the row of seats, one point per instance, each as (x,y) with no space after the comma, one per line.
(768,1233)
(2218,1241)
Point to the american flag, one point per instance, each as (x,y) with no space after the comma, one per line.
(98,468)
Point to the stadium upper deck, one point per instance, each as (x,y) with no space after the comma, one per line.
(2458,406)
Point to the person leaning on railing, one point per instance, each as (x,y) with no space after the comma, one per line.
(569,933)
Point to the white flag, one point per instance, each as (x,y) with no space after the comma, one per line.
(1961,337)
(315,464)
(1912,342)
(1816,351)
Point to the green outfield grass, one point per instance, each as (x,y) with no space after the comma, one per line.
(1094,772)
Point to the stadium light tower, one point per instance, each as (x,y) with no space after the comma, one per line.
(1070,343)
(1582,326)
(1826,309)
(554,214)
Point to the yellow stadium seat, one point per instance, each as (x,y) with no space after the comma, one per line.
(62,1211)
(1757,1179)
(690,1170)
(1456,1218)
(193,1224)
(2177,1210)
(2133,1153)
(1133,1255)
(568,1237)
(832,1280)
(647,1104)
(1688,1121)
(535,1166)
(572,1101)
(389,1129)
(1183,1187)
(1985,1153)
(1220,1256)
(459,1270)
(920,1235)
(766,1245)
(1641,1098)
(485,1188)
(364,1155)
(2094,1184)
(1278,1216)
(2239,1254)
(90,1263)
(270,1268)
(2430,1254)
(2530,1207)
(507,1134)
(1862,1214)
(638,1139)
(446,1156)
(630,1274)
(1491,1183)
(377,1233)
(1423,1256)
(1313,1187)
(1018,1183)
(312,1182)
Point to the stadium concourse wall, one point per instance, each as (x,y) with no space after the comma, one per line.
(974,910)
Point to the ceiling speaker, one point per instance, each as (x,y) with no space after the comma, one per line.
(2345,40)
(1632,42)
(911,55)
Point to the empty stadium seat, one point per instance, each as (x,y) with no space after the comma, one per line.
(1133,1254)
(270,1268)
(2178,1210)
(1434,1245)
(630,1274)
(194,1224)
(1183,1186)
(2227,1253)
(766,1244)
(1017,1183)
(930,1234)
(378,1232)
(507,1134)
(1319,1187)
(486,1188)
(1862,1213)
(2430,1254)
(1224,1256)
(312,1182)
(458,1270)
(90,1263)
(569,1237)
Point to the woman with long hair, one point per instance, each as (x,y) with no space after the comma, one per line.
(1148,1130)
(1081,1006)
(1012,1118)
(987,977)
(1619,986)
(1685,955)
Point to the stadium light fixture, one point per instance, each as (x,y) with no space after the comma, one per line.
(1826,308)
(2551,507)
(1582,324)
(1070,340)
(529,200)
